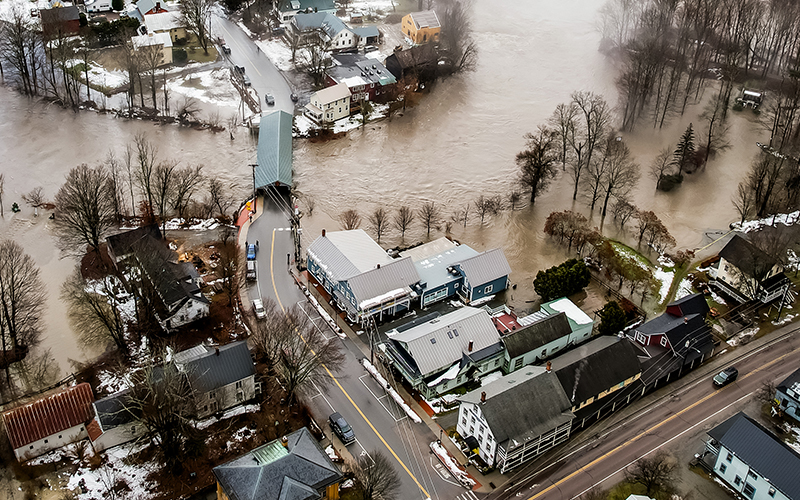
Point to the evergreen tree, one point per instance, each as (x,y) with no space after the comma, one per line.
(563,280)
(612,319)
(117,5)
(684,153)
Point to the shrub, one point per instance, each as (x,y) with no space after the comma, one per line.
(669,181)
(117,5)
(568,278)
(179,56)
(612,319)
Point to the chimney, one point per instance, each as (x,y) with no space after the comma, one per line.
(470,346)
(549,367)
(217,351)
(323,233)
(379,266)
(285,442)
(483,397)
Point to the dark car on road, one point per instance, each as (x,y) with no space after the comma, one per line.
(251,252)
(226,49)
(341,428)
(726,376)
(269,99)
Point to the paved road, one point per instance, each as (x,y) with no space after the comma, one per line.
(685,412)
(264,75)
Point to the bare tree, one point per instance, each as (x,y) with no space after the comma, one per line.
(655,473)
(594,115)
(35,197)
(620,175)
(196,16)
(219,198)
(350,219)
(2,190)
(563,122)
(376,475)
(716,128)
(115,184)
(430,215)
(85,211)
(317,55)
(187,109)
(514,198)
(379,222)
(151,57)
(22,302)
(456,47)
(661,166)
(537,162)
(403,219)
(228,269)
(163,189)
(94,310)
(186,181)
(482,206)
(623,211)
(19,46)
(744,201)
(144,153)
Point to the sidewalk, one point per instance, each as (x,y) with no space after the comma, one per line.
(246,218)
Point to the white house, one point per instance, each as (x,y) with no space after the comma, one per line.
(747,273)
(515,418)
(329,104)
(114,422)
(752,461)
(156,41)
(333,31)
(221,377)
(49,422)
(166,22)
(285,10)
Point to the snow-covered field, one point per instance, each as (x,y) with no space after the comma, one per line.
(278,52)
(754,225)
(212,87)
(99,481)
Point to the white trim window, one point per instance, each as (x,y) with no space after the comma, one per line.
(663,341)
(641,338)
(488,289)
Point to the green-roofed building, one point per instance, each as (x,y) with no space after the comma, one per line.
(274,166)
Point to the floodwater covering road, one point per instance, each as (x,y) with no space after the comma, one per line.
(458,143)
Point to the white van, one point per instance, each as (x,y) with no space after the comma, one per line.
(250,275)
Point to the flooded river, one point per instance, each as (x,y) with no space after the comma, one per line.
(460,142)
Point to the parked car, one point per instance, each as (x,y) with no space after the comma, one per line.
(226,49)
(239,69)
(726,376)
(258,309)
(251,252)
(250,275)
(294,97)
(270,99)
(341,428)
(246,79)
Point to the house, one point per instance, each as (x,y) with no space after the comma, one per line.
(114,422)
(418,62)
(330,29)
(787,395)
(421,27)
(366,78)
(580,323)
(485,275)
(516,418)
(360,276)
(329,104)
(678,340)
(745,272)
(176,297)
(535,342)
(598,377)
(293,467)
(274,154)
(434,262)
(49,422)
(367,35)
(60,21)
(220,377)
(161,42)
(166,22)
(438,353)
(285,10)
(752,461)
(149,7)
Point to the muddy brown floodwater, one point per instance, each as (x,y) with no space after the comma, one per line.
(460,142)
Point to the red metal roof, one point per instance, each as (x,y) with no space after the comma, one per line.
(94,430)
(49,415)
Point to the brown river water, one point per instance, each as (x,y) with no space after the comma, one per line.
(460,142)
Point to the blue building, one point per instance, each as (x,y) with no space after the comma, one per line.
(788,395)
(485,275)
(435,265)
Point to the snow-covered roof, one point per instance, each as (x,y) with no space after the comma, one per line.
(572,311)
(152,39)
(163,21)
(343,254)
(332,94)
(425,19)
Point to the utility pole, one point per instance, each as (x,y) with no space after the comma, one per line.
(255,200)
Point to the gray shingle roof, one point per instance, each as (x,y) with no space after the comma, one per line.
(425,19)
(396,275)
(750,259)
(344,254)
(536,334)
(122,243)
(522,405)
(114,410)
(762,451)
(329,23)
(210,371)
(485,267)
(452,334)
(274,150)
(262,473)
(596,366)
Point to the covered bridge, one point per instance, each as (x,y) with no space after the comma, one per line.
(274,165)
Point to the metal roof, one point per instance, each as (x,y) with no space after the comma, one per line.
(332,94)
(396,275)
(430,249)
(331,24)
(442,341)
(212,370)
(298,474)
(343,254)
(114,410)
(49,415)
(522,405)
(425,19)
(485,267)
(433,270)
(356,69)
(537,334)
(762,451)
(274,150)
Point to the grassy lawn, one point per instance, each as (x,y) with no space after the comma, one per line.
(195,51)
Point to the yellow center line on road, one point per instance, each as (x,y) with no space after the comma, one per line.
(330,374)
(647,432)
(242,52)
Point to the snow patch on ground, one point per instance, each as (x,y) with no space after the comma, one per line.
(754,225)
(665,277)
(786,319)
(452,466)
(99,481)
(399,400)
(232,412)
(278,52)
(304,124)
(684,289)
(193,224)
(743,337)
(212,87)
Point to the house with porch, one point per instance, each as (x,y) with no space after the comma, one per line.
(49,422)
(746,273)
(366,78)
(219,377)
(752,461)
(515,418)
(437,353)
(115,422)
(787,395)
(361,277)
(421,27)
(485,275)
(329,104)
(285,10)
(294,467)
(434,262)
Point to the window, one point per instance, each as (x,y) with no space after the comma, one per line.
(455,332)
(488,289)
(749,490)
(518,364)
(472,419)
(771,492)
(480,430)
(450,334)
(753,475)
(239,384)
(471,430)
(464,420)
(729,457)
(723,468)
(45,441)
(480,439)
(664,341)
(737,481)
(433,341)
(544,352)
(640,338)
(497,362)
